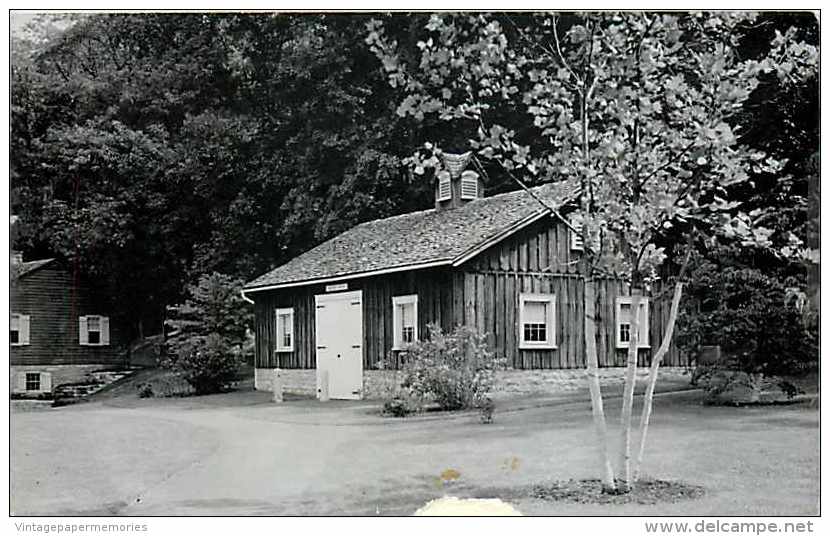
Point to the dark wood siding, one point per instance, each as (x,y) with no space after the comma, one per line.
(483,293)
(54,300)
(435,305)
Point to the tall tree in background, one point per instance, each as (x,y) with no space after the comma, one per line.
(639,109)
(151,149)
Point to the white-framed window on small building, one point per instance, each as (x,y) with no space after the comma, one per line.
(285,329)
(444,186)
(33,381)
(537,321)
(405,320)
(18,329)
(94,330)
(623,327)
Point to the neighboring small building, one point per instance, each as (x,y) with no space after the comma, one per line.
(507,265)
(60,328)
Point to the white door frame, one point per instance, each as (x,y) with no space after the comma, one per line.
(350,347)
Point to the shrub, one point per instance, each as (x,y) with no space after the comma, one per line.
(208,363)
(456,371)
(751,315)
(210,334)
(404,402)
(145,390)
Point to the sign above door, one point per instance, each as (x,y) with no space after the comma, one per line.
(338,287)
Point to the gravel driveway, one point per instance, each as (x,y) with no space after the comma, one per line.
(238,454)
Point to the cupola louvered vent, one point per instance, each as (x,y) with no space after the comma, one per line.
(444,186)
(577,244)
(456,186)
(469,185)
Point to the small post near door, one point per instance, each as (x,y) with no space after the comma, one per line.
(339,344)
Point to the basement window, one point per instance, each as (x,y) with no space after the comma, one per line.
(405,319)
(624,322)
(33,381)
(285,330)
(444,186)
(537,313)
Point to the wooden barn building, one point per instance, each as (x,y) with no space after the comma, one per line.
(506,265)
(60,328)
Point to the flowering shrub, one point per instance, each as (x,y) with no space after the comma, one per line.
(456,370)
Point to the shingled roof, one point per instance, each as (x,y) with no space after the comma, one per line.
(25,268)
(417,239)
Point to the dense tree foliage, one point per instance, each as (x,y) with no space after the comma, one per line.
(155,148)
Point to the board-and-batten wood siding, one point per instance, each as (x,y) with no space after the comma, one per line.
(483,293)
(435,305)
(54,300)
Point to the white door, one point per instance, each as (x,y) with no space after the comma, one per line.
(339,340)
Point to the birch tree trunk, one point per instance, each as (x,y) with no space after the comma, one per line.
(652,376)
(628,396)
(592,371)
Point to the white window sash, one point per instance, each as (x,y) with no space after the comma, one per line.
(102,329)
(398,305)
(23,324)
(284,328)
(549,300)
(643,335)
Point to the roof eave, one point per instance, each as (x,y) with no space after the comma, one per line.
(346,277)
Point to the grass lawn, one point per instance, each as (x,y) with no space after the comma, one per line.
(238,454)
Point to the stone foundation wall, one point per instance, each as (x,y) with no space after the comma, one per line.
(57,374)
(294,381)
(377,383)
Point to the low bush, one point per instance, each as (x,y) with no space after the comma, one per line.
(455,371)
(402,403)
(145,390)
(208,363)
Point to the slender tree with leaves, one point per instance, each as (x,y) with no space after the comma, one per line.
(638,109)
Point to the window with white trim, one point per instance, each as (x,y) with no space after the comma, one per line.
(444,186)
(577,243)
(18,329)
(33,381)
(405,320)
(537,324)
(469,185)
(623,327)
(285,329)
(94,330)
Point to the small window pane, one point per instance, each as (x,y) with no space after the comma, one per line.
(625,332)
(407,315)
(33,381)
(15,323)
(535,333)
(93,323)
(94,337)
(536,312)
(14,336)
